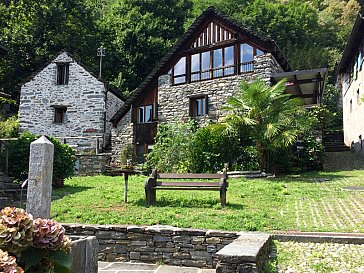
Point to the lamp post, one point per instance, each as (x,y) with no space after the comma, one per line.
(101,53)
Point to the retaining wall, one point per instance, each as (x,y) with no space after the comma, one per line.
(175,246)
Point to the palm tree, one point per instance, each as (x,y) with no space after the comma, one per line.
(272,118)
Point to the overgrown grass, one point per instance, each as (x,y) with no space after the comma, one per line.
(309,202)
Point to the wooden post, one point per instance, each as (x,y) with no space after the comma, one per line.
(126,177)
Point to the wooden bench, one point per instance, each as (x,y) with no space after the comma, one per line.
(198,181)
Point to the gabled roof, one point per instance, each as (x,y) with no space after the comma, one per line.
(165,62)
(3,50)
(353,43)
(109,87)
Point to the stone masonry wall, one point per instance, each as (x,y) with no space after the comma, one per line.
(91,164)
(113,104)
(84,97)
(173,101)
(122,135)
(170,245)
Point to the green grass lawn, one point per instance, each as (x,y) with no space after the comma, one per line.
(309,202)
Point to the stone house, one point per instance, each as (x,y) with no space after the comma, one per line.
(197,76)
(351,81)
(66,100)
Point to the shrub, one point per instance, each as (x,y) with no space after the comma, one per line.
(210,148)
(128,156)
(63,162)
(171,152)
(9,127)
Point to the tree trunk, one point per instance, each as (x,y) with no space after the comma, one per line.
(261,157)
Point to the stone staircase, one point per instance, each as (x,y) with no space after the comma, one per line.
(334,142)
(10,191)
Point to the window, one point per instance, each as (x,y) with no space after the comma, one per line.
(198,106)
(179,71)
(60,115)
(216,62)
(62,74)
(246,58)
(145,114)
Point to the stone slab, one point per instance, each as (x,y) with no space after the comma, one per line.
(132,266)
(245,248)
(177,269)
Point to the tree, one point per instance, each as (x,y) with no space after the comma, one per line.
(274,119)
(36,30)
(139,33)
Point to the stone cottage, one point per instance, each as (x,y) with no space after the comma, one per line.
(351,81)
(67,101)
(197,76)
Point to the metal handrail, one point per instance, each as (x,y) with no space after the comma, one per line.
(23,185)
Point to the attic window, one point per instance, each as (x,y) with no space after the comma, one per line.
(62,73)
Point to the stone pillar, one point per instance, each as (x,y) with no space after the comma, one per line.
(40,178)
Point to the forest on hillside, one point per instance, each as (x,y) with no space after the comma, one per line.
(137,33)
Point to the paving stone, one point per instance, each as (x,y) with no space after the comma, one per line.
(132,266)
(177,269)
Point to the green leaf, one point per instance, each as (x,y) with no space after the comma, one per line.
(61,269)
(31,256)
(61,260)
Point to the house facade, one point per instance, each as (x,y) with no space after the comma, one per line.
(195,79)
(351,82)
(67,101)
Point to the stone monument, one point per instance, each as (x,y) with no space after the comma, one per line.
(40,178)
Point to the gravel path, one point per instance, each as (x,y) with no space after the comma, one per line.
(296,257)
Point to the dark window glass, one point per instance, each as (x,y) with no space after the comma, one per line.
(60,115)
(62,74)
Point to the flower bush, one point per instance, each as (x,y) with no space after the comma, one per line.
(8,263)
(38,245)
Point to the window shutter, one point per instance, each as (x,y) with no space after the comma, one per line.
(67,73)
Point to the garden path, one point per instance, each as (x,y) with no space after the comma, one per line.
(325,215)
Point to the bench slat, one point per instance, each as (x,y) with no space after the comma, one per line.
(186,188)
(189,175)
(188,184)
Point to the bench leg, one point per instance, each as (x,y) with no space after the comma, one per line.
(223,197)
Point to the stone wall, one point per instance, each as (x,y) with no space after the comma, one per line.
(91,164)
(170,245)
(113,104)
(122,135)
(84,97)
(173,101)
